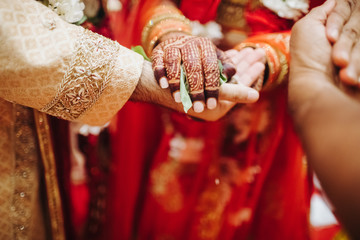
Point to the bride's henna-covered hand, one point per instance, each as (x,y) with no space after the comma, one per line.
(199,57)
(343,29)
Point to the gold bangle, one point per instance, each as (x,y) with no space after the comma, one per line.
(160,19)
(150,44)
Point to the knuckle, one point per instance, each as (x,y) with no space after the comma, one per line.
(351,3)
(174,87)
(172,56)
(155,55)
(197,96)
(192,66)
(210,62)
(211,72)
(213,93)
(172,65)
(212,81)
(195,82)
(159,73)
(351,33)
(173,73)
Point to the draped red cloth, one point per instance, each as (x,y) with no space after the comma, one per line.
(255,188)
(134,136)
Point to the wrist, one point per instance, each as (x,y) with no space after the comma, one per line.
(173,34)
(167,19)
(147,90)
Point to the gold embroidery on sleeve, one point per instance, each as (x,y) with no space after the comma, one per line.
(87,76)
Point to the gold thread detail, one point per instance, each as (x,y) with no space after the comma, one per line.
(86,78)
(51,181)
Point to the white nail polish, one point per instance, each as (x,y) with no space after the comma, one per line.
(253,95)
(177,97)
(211,103)
(334,33)
(164,83)
(198,106)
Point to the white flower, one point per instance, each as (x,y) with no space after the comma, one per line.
(290,9)
(70,10)
(211,30)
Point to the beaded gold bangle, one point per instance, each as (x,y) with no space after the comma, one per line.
(167,19)
(160,19)
(166,26)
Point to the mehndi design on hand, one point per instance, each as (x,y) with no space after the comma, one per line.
(199,57)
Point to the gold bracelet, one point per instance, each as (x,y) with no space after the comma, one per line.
(151,43)
(158,20)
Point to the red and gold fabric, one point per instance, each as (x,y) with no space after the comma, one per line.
(48,66)
(159,21)
(276,47)
(243,177)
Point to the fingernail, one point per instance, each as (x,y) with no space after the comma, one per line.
(198,106)
(211,103)
(334,33)
(352,74)
(177,96)
(253,95)
(235,79)
(164,83)
(345,56)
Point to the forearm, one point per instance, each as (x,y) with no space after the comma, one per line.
(331,142)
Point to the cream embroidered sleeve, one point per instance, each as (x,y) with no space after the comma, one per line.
(62,69)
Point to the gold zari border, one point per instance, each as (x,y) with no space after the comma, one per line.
(51,182)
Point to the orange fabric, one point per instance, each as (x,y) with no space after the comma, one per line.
(128,23)
(276,47)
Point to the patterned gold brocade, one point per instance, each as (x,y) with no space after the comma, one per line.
(87,76)
(20,209)
(7,159)
(48,64)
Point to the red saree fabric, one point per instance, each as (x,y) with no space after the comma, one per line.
(134,138)
(175,178)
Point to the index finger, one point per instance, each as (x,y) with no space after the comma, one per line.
(193,68)
(337,18)
(157,59)
(211,72)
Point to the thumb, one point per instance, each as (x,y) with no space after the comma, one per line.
(321,12)
(238,93)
